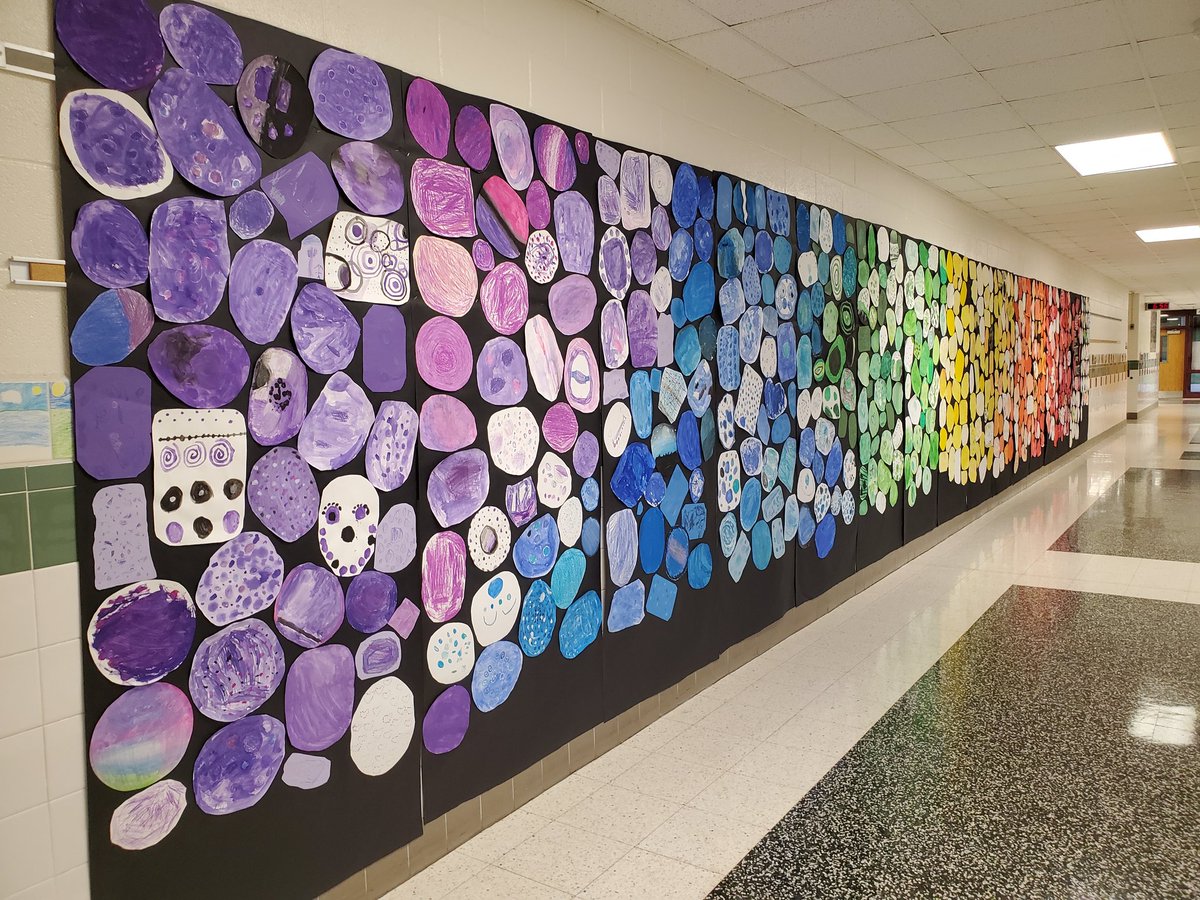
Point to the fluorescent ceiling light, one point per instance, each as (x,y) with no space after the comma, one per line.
(1123,154)
(1179,233)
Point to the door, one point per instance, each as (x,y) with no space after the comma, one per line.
(1171,364)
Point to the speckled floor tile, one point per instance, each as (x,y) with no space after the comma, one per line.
(1051,752)
(1149,513)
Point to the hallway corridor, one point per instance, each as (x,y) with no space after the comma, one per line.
(1011,713)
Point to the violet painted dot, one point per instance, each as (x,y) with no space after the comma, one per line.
(337,426)
(446,722)
(504,296)
(458,486)
(242,578)
(283,494)
(202,42)
(473,138)
(112,326)
(501,373)
(117,42)
(513,149)
(143,632)
(572,303)
(583,149)
(318,698)
(385,349)
(442,197)
(350,95)
(189,258)
(310,607)
(325,331)
(575,226)
(141,736)
(112,422)
(278,397)
(537,204)
(369,176)
(396,540)
(643,257)
(443,575)
(275,105)
(443,354)
(428,117)
(560,427)
(660,227)
(237,765)
(555,159)
(202,365)
(111,143)
(262,282)
(304,192)
(586,455)
(392,445)
(379,654)
(251,214)
(641,322)
(236,670)
(202,136)
(483,255)
(447,424)
(110,244)
(370,601)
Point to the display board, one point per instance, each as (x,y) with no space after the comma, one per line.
(418,434)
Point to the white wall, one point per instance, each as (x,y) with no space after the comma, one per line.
(559,58)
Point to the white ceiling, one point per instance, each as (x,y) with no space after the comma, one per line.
(972,96)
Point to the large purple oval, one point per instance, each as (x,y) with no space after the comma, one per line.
(575,228)
(447,424)
(318,699)
(278,397)
(243,577)
(350,95)
(473,138)
(262,282)
(283,494)
(572,304)
(110,244)
(501,373)
(385,349)
(370,178)
(141,736)
(370,601)
(428,117)
(115,41)
(112,422)
(189,258)
(442,198)
(202,365)
(202,42)
(143,632)
(458,486)
(236,670)
(337,425)
(325,332)
(504,296)
(202,135)
(443,354)
(237,764)
(642,324)
(310,607)
(250,214)
(513,149)
(391,445)
(555,157)
(110,141)
(447,720)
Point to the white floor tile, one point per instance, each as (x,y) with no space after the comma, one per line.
(619,813)
(492,843)
(641,874)
(563,857)
(439,879)
(677,780)
(702,839)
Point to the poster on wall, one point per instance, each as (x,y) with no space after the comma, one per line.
(505,247)
(238,303)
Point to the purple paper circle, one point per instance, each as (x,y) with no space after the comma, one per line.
(473,138)
(586,455)
(237,765)
(110,244)
(202,365)
(325,331)
(143,632)
(501,373)
(369,176)
(243,577)
(141,736)
(236,670)
(447,720)
(283,494)
(115,41)
(428,117)
(350,95)
(504,296)
(202,42)
(443,354)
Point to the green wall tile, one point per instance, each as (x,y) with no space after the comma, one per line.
(52,524)
(12,480)
(56,476)
(14,534)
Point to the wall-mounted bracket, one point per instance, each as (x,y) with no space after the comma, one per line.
(26,61)
(37,272)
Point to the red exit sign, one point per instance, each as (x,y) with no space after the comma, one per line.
(1158,306)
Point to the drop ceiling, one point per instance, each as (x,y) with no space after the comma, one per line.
(973,95)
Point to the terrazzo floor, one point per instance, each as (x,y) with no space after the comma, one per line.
(670,812)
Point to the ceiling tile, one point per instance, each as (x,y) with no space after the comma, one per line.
(1005,162)
(1181,88)
(875,137)
(836,115)
(954,15)
(936,170)
(1185,137)
(735,12)
(944,95)
(837,28)
(1098,127)
(730,52)
(1058,173)
(1074,29)
(1096,101)
(985,144)
(791,87)
(899,65)
(1111,65)
(1170,55)
(948,125)
(1181,115)
(1151,19)
(907,155)
(667,20)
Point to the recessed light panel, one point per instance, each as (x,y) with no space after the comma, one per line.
(1179,233)
(1123,154)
